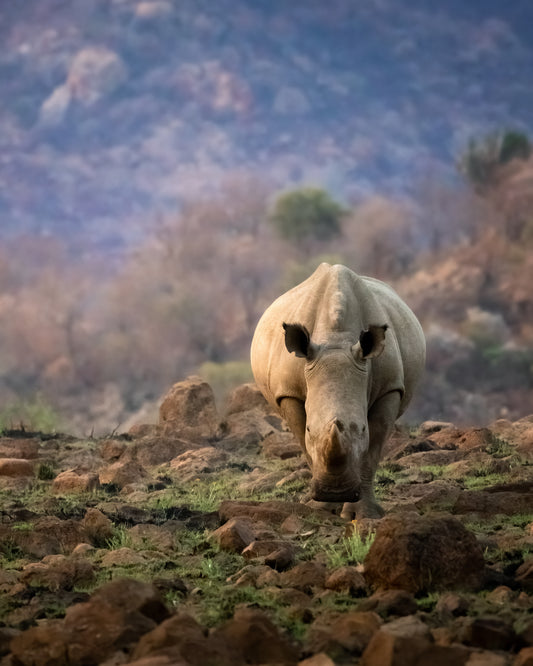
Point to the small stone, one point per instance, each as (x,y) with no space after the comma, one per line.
(73,481)
(234,535)
(391,602)
(351,632)
(346,579)
(98,527)
(282,558)
(255,637)
(307,576)
(261,549)
(122,557)
(501,595)
(16,467)
(451,603)
(524,657)
(490,634)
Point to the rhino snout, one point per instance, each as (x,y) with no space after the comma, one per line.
(326,493)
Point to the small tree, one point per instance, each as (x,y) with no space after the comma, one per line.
(306,214)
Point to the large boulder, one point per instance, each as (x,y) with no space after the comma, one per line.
(422,553)
(188,410)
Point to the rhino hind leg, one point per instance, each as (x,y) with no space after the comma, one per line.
(381,419)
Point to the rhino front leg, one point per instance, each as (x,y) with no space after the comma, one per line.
(381,419)
(293,411)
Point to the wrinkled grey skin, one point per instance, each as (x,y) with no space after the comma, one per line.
(339,357)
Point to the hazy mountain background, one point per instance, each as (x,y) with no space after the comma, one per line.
(113,110)
(144,144)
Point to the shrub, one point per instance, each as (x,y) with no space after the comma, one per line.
(307,213)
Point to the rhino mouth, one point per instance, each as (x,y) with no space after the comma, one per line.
(321,493)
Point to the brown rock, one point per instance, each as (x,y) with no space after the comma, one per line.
(190,464)
(350,632)
(160,450)
(185,640)
(306,576)
(122,557)
(98,527)
(524,575)
(43,645)
(252,634)
(122,473)
(435,495)
(281,558)
(281,445)
(234,535)
(489,634)
(188,410)
(57,572)
(524,657)
(73,481)
(409,626)
(346,579)
(453,604)
(27,449)
(246,397)
(112,449)
(491,503)
(271,513)
(261,548)
(50,536)
(386,649)
(390,602)
(270,578)
(114,618)
(16,467)
(417,553)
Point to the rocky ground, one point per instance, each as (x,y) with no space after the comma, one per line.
(188,543)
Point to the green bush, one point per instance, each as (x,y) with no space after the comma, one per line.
(306,213)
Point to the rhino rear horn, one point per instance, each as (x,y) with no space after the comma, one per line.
(298,340)
(371,342)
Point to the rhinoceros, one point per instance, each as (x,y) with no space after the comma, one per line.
(339,357)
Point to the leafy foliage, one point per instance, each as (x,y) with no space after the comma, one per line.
(307,213)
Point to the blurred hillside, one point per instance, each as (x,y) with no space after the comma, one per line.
(144,146)
(112,109)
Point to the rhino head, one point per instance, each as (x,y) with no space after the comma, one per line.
(337,380)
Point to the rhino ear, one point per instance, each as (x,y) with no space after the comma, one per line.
(298,340)
(371,342)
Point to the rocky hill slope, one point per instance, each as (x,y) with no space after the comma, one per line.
(116,109)
(187,543)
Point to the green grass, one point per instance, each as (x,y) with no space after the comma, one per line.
(483,478)
(499,448)
(349,550)
(437,471)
